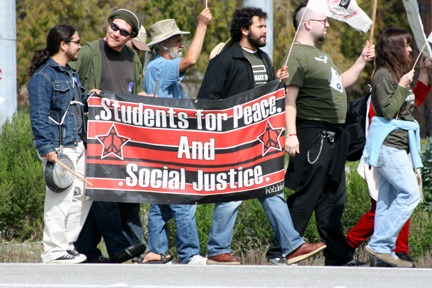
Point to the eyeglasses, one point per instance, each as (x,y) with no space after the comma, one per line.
(76,41)
(324,21)
(123,32)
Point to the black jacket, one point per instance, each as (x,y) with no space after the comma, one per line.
(230,73)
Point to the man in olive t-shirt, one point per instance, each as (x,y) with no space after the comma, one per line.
(316,105)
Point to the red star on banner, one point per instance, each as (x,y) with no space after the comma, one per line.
(113,143)
(270,138)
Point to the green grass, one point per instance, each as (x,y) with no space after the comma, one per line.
(22,193)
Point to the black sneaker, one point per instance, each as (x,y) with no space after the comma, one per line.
(404,256)
(99,259)
(277,261)
(66,259)
(355,263)
(128,253)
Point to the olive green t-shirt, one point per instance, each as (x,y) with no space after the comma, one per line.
(321,95)
(390,100)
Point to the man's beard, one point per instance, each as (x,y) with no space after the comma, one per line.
(71,56)
(174,53)
(322,37)
(255,42)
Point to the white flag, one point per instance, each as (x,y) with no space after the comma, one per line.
(416,25)
(430,38)
(343,10)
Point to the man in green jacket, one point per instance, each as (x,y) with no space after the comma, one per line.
(109,64)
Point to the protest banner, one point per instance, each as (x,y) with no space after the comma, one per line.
(186,151)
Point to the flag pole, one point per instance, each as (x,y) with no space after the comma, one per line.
(374,9)
(157,82)
(420,54)
(294,40)
(206,4)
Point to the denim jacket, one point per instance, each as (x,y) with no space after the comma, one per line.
(51,90)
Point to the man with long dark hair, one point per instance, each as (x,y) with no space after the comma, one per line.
(56,99)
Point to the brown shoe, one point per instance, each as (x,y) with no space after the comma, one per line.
(223,259)
(304,251)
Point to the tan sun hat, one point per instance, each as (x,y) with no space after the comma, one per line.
(141,39)
(162,30)
(220,47)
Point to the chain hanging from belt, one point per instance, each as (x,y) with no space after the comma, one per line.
(324,134)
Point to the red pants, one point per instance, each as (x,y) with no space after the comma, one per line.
(365,227)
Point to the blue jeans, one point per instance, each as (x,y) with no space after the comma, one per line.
(186,233)
(397,198)
(275,207)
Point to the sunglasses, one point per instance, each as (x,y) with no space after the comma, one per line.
(123,32)
(76,41)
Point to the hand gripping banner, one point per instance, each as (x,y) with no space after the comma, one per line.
(186,151)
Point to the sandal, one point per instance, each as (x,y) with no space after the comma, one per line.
(140,259)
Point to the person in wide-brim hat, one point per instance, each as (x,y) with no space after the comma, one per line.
(164,30)
(139,42)
(163,75)
(220,48)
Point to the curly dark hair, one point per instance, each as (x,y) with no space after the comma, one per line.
(57,34)
(391,52)
(242,18)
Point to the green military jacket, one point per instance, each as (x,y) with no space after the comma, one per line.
(89,67)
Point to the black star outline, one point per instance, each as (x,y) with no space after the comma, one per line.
(270,138)
(113,143)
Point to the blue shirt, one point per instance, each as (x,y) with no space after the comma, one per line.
(167,71)
(378,131)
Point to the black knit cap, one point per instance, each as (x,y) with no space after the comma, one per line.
(127,16)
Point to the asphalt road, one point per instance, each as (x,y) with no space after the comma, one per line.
(130,275)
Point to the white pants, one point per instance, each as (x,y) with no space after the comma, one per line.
(65,212)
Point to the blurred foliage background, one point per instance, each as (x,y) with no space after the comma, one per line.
(22,188)
(344,44)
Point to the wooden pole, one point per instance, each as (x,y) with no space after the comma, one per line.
(420,54)
(374,9)
(294,40)
(73,172)
(156,85)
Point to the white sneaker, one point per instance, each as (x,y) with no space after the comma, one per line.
(66,259)
(198,260)
(77,255)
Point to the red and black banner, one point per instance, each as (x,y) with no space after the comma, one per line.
(186,151)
